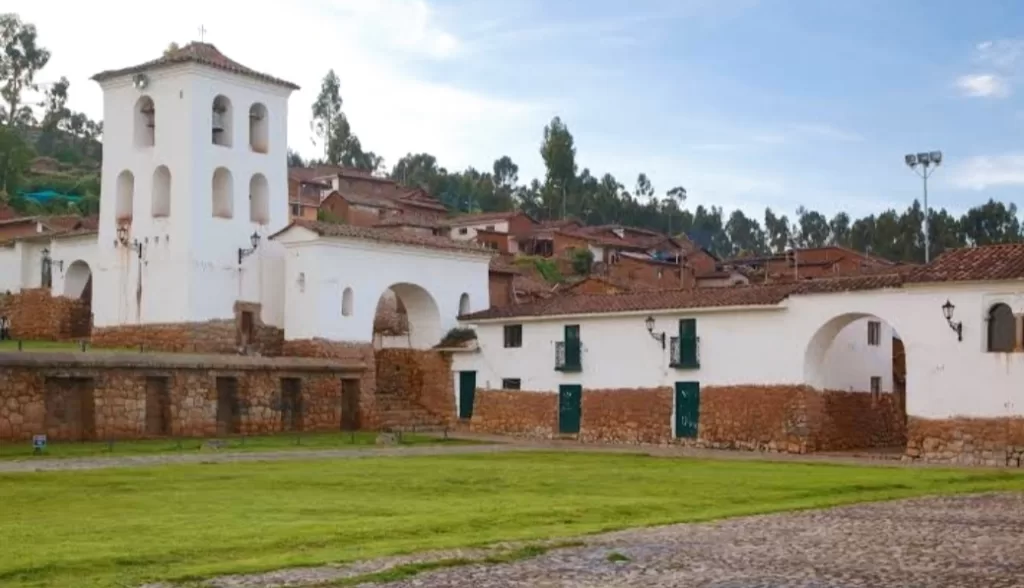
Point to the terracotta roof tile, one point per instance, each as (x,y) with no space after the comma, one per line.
(992,262)
(482,217)
(385,235)
(195,52)
(684,298)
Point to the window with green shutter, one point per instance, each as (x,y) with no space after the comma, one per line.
(689,344)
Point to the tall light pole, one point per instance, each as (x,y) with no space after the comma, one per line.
(928,162)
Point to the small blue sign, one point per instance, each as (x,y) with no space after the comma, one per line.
(39,442)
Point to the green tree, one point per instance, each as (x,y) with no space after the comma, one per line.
(991,223)
(744,234)
(839,229)
(294,159)
(326,110)
(558,150)
(814,230)
(15,157)
(582,261)
(778,231)
(21,58)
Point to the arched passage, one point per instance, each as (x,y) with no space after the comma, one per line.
(858,362)
(77,280)
(416,313)
(78,285)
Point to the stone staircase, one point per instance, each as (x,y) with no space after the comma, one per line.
(395,412)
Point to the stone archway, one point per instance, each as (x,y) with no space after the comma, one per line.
(857,362)
(408,316)
(78,286)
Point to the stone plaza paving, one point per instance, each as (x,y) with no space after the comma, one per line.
(963,541)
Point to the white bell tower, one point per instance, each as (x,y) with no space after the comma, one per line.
(194,170)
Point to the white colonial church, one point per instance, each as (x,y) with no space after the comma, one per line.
(194,221)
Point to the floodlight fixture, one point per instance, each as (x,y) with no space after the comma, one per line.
(911,159)
(924,158)
(936,157)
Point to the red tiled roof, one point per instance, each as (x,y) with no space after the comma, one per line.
(992,262)
(410,220)
(685,298)
(195,52)
(483,217)
(384,235)
(620,283)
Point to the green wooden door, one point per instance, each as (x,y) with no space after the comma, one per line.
(687,409)
(467,393)
(569,397)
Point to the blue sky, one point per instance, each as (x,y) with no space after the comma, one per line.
(746,103)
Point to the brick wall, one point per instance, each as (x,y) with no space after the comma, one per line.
(520,413)
(966,441)
(37,315)
(641,415)
(95,396)
(500,288)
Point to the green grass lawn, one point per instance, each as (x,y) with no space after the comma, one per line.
(9,345)
(283,441)
(123,527)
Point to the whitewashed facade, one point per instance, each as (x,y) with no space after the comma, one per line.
(818,340)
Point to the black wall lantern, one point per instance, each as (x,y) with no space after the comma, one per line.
(660,337)
(243,253)
(958,327)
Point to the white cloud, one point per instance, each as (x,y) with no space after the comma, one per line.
(379,48)
(406,25)
(983,85)
(987,171)
(1002,54)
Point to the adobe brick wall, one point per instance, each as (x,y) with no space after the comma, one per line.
(966,441)
(519,413)
(34,399)
(37,315)
(856,420)
(640,415)
(499,286)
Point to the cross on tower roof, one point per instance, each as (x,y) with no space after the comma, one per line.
(202,34)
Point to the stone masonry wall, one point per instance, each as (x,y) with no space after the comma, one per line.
(641,415)
(966,441)
(215,336)
(758,418)
(37,315)
(118,404)
(519,413)
(414,388)
(856,420)
(344,350)
(794,419)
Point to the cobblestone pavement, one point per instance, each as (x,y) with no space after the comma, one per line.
(963,541)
